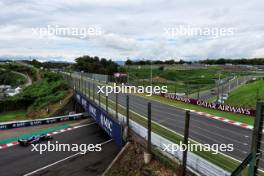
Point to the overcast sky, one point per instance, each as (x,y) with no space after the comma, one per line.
(133,29)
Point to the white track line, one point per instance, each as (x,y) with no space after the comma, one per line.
(64,159)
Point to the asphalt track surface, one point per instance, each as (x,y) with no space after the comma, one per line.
(19,160)
(202,129)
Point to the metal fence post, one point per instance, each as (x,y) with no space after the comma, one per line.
(127,114)
(106,102)
(149,128)
(89,93)
(93,91)
(79,84)
(99,99)
(85,83)
(185,142)
(256,139)
(218,91)
(116,106)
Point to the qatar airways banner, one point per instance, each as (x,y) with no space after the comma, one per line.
(217,106)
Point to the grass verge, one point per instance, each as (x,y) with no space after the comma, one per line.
(12,115)
(246,95)
(231,116)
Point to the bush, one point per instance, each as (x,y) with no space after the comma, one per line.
(49,90)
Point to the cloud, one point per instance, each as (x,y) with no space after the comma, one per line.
(133,29)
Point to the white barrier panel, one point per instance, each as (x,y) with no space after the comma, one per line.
(194,162)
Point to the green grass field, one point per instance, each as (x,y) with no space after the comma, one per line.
(246,95)
(184,81)
(12,115)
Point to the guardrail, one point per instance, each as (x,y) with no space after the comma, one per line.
(25,123)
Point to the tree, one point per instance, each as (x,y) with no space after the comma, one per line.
(95,65)
(129,62)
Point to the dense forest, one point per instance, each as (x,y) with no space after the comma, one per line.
(221,61)
(155,62)
(255,61)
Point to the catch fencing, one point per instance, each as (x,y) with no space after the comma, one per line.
(194,162)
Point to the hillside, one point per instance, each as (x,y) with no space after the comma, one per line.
(14,79)
(38,99)
(182,80)
(245,95)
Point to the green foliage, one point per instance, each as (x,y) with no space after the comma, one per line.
(32,72)
(154,62)
(246,95)
(50,89)
(48,65)
(254,61)
(10,78)
(95,65)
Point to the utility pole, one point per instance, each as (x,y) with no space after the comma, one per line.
(151,72)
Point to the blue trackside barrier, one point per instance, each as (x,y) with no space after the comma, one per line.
(26,123)
(112,127)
